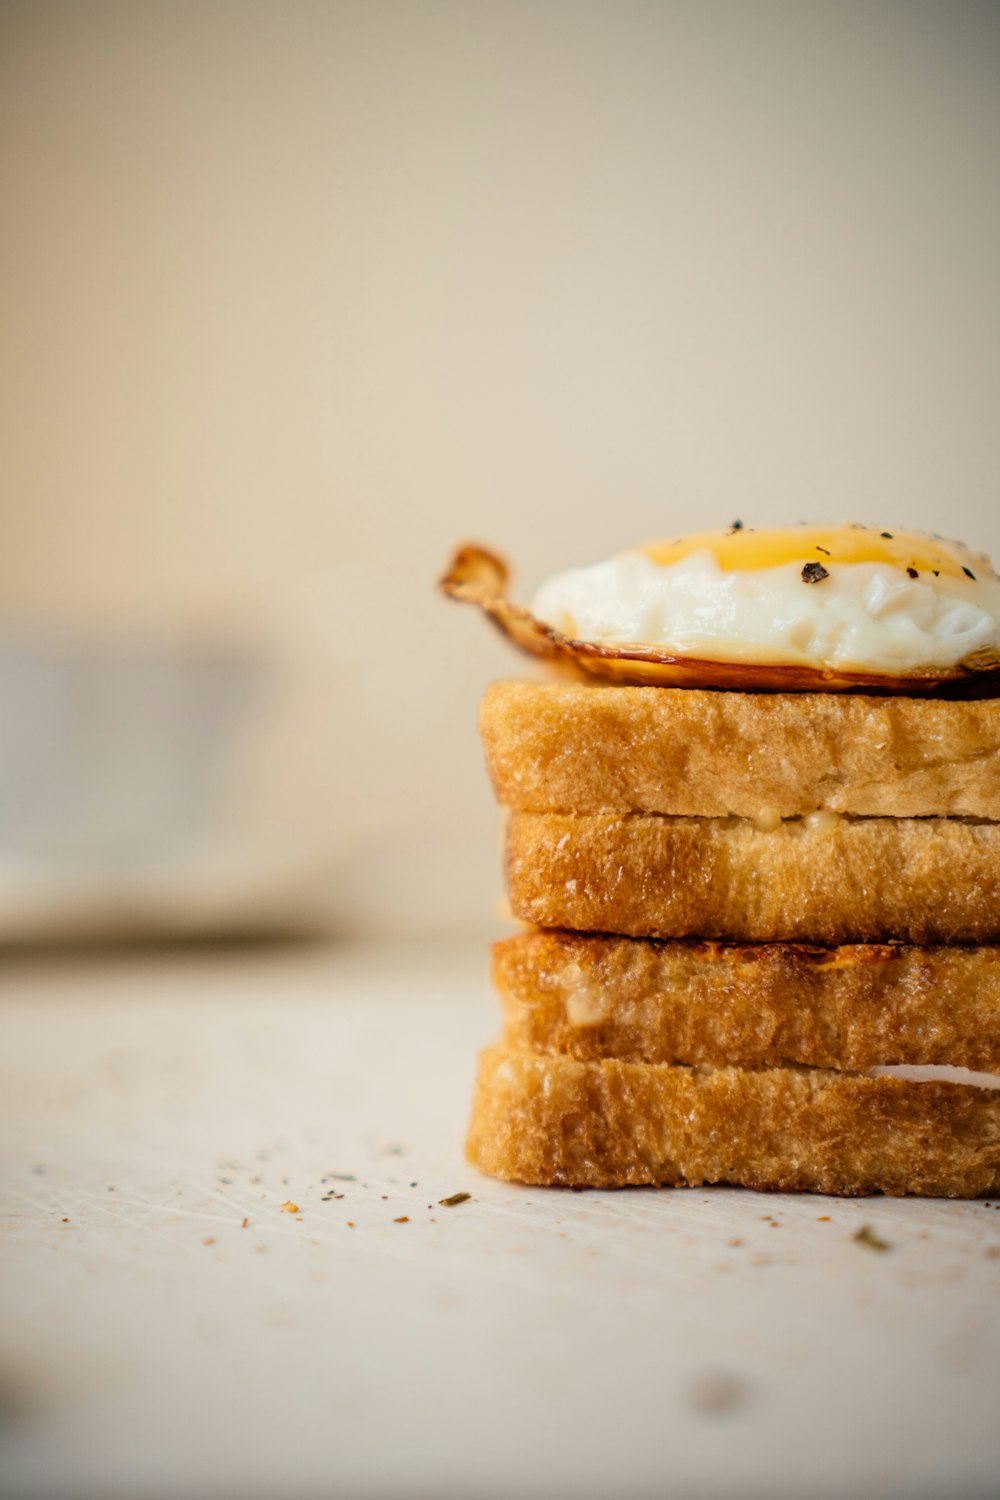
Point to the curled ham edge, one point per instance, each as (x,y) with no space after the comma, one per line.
(480,577)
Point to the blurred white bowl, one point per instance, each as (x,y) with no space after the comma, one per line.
(119,764)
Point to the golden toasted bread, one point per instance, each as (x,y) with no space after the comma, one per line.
(854,1007)
(554,1120)
(929,880)
(579,748)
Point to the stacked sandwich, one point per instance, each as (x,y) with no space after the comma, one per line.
(747,904)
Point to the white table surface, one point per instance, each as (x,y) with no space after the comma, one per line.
(529,1342)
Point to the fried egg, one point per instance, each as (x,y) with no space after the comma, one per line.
(796,607)
(838,598)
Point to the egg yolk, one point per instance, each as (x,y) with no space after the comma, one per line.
(743,548)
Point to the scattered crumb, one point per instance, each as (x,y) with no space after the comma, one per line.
(866,1236)
(351,1224)
(715,1394)
(993,1253)
(403,1219)
(66,1221)
(455,1199)
(822,1218)
(341,1176)
(288,1207)
(210,1240)
(734,1243)
(298,1218)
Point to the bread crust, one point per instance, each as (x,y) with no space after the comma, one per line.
(566,747)
(853,1007)
(859,881)
(557,1121)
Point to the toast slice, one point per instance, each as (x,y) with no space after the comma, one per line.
(566,747)
(854,1008)
(555,1120)
(831,881)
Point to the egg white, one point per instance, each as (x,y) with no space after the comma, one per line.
(865,616)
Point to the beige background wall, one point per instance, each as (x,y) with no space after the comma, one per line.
(297,295)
